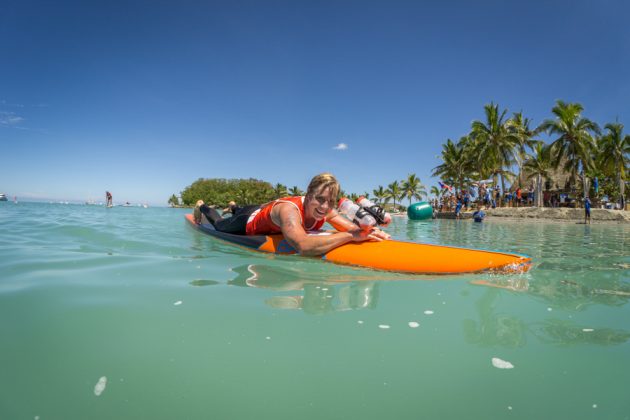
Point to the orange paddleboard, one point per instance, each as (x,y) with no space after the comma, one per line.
(391,255)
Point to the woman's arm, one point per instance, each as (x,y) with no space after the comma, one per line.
(291,226)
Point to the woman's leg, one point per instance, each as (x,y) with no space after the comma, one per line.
(211,214)
(235,224)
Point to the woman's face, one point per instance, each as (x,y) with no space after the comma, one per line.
(319,204)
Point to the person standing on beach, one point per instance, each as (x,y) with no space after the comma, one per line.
(458,208)
(295,216)
(587,210)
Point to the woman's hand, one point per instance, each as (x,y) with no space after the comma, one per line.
(373,234)
(381,234)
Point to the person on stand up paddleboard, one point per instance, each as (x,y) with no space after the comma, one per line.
(295,216)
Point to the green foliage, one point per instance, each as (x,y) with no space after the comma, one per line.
(394,192)
(295,191)
(413,188)
(379,194)
(220,191)
(496,142)
(173,201)
(280,190)
(575,143)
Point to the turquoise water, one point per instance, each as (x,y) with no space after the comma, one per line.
(185,326)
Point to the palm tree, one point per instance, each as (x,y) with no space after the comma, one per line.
(393,191)
(173,201)
(436,191)
(280,190)
(413,188)
(456,166)
(575,143)
(295,191)
(354,197)
(379,194)
(538,166)
(525,138)
(614,151)
(494,143)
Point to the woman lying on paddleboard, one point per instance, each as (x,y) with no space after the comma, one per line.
(294,216)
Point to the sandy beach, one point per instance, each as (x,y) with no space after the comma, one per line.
(548,213)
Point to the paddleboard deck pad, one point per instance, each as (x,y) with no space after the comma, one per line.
(390,255)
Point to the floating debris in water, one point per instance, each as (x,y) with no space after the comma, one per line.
(588,329)
(179,302)
(501,364)
(549,309)
(509,407)
(414,324)
(359,322)
(384,326)
(428,312)
(267,338)
(100,386)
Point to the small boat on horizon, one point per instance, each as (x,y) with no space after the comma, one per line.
(3,197)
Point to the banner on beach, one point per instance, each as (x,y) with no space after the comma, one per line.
(483,181)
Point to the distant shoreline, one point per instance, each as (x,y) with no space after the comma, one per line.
(548,213)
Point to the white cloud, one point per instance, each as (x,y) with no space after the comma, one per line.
(9,118)
(341,146)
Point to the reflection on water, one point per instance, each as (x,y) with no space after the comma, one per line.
(567,333)
(204,283)
(317,296)
(496,329)
(566,294)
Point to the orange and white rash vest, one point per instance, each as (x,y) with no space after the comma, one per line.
(260,223)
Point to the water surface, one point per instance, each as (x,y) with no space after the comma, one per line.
(185,326)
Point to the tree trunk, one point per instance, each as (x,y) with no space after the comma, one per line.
(539,192)
(585,185)
(622,190)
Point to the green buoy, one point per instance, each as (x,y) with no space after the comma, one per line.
(420,211)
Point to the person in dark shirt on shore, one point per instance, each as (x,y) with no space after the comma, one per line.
(587,210)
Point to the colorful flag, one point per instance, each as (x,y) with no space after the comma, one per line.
(444,186)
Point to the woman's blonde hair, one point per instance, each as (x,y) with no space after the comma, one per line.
(321,181)
(197,212)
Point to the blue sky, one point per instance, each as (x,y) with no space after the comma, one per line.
(144,97)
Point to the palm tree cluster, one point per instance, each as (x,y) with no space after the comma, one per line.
(410,188)
(497,146)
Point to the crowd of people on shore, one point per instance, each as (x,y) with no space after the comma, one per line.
(485,196)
